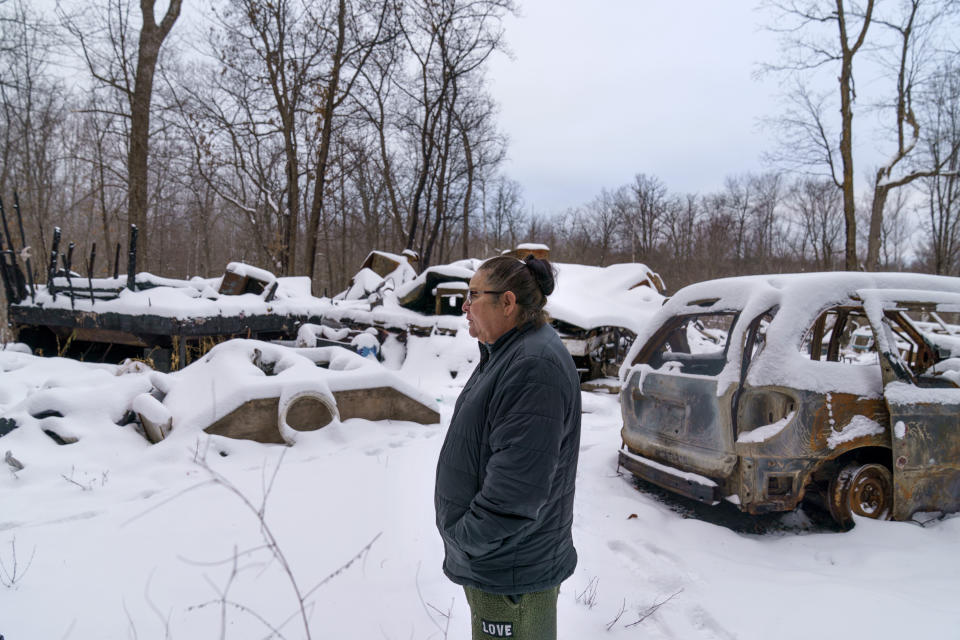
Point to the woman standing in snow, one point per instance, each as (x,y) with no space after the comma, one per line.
(505,476)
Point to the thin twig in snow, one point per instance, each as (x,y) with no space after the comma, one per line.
(133,627)
(71,480)
(446,627)
(215,563)
(623,608)
(589,594)
(170,499)
(268,537)
(243,609)
(653,609)
(12,575)
(345,566)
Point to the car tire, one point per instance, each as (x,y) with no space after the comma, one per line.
(865,490)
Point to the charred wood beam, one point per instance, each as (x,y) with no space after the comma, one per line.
(90,262)
(23,244)
(9,280)
(132,260)
(52,269)
(13,272)
(67,265)
(152,325)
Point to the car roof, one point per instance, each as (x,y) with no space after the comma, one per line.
(800,298)
(799,288)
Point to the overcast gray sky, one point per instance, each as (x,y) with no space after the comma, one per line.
(597,92)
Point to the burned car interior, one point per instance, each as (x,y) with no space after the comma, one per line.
(694,344)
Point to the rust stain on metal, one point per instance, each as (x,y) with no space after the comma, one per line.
(836,412)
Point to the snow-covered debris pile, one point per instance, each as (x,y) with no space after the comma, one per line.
(242,289)
(47,402)
(380,272)
(242,278)
(241,388)
(271,393)
(174,322)
(169,322)
(425,294)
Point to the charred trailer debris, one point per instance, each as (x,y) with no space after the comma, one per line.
(86,318)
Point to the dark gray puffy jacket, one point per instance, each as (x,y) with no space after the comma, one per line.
(505,477)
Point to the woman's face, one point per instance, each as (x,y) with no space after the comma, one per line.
(490,314)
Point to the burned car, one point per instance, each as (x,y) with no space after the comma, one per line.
(762,390)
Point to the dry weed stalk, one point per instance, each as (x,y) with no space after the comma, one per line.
(10,576)
(276,552)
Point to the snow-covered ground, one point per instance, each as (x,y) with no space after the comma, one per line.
(112,537)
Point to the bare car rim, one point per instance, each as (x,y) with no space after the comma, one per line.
(865,490)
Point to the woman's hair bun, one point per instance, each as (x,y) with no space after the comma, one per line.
(542,272)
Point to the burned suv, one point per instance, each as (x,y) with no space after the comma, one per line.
(764,390)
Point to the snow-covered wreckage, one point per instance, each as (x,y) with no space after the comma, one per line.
(763,391)
(596,310)
(175,326)
(165,321)
(275,386)
(170,323)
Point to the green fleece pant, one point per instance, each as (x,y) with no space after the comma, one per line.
(531,616)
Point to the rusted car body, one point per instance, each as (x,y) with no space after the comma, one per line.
(760,390)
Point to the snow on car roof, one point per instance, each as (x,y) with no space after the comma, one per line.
(590,297)
(801,298)
(944,300)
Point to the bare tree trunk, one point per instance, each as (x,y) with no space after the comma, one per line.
(847,96)
(329,104)
(468,153)
(152,36)
(906,142)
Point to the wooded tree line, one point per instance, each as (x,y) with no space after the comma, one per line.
(297,135)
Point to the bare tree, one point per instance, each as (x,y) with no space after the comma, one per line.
(941,192)
(151,38)
(33,114)
(106,43)
(449,42)
(895,233)
(503,215)
(647,203)
(483,148)
(902,38)
(739,201)
(915,33)
(766,238)
(271,57)
(808,46)
(604,220)
(817,208)
(361,28)
(678,262)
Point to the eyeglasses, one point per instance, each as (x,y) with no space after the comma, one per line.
(473,294)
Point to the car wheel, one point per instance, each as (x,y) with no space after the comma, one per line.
(862,489)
